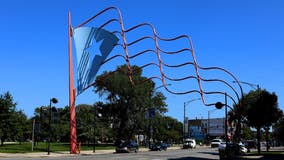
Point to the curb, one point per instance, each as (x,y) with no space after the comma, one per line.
(66,153)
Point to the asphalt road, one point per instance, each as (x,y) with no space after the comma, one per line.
(203,153)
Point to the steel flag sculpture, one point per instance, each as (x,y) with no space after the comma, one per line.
(90,58)
(93,45)
(93,48)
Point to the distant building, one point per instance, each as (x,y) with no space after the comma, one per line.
(216,127)
(199,129)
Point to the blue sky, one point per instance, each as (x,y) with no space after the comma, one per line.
(245,37)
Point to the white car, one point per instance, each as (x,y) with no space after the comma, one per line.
(233,150)
(189,143)
(216,143)
(243,149)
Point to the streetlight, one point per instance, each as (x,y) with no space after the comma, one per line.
(184,106)
(54,101)
(254,86)
(161,87)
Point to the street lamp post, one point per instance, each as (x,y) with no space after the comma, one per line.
(52,100)
(33,134)
(184,111)
(226,119)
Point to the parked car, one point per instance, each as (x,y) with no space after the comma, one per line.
(126,146)
(242,149)
(250,144)
(159,146)
(232,150)
(189,143)
(216,143)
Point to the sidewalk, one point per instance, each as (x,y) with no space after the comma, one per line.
(90,152)
(65,153)
(53,154)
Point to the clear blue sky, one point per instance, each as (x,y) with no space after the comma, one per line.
(245,37)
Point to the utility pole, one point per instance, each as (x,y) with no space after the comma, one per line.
(184,123)
(33,134)
(226,117)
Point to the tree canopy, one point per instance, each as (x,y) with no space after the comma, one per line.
(261,110)
(13,123)
(129,103)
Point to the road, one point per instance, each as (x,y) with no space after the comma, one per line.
(202,153)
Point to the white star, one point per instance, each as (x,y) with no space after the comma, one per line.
(94,49)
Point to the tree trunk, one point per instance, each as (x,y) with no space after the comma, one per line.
(258,140)
(266,138)
(2,141)
(237,132)
(123,124)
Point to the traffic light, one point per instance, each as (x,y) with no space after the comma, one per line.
(219,105)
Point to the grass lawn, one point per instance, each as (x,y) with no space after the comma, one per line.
(270,155)
(26,147)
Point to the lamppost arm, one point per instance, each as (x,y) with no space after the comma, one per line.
(184,111)
(254,86)
(187,102)
(168,84)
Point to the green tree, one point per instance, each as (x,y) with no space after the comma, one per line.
(168,129)
(85,122)
(278,131)
(7,110)
(262,110)
(93,121)
(129,103)
(247,133)
(41,130)
(104,121)
(22,130)
(60,127)
(63,127)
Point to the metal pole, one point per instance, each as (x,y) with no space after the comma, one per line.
(49,128)
(184,111)
(72,92)
(151,131)
(150,125)
(226,125)
(183,121)
(33,135)
(208,125)
(95,114)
